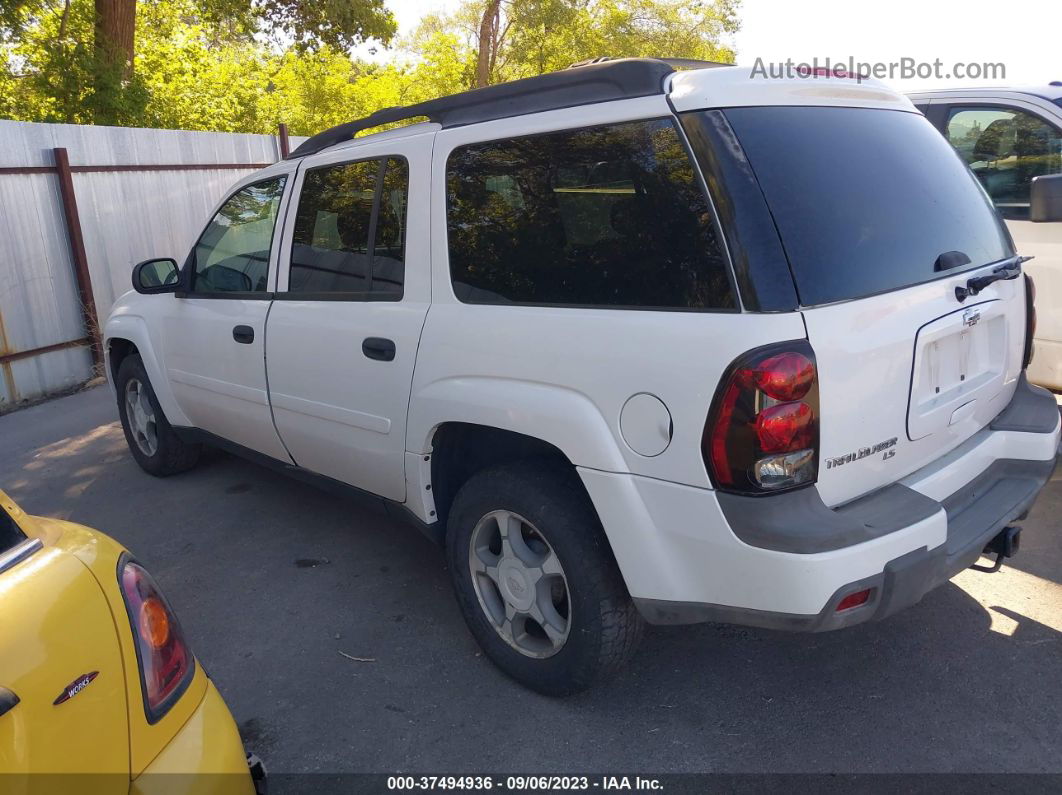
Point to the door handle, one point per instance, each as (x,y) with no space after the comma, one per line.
(244,334)
(8,700)
(379,348)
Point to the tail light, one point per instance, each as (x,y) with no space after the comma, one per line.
(1030,320)
(762,433)
(166,664)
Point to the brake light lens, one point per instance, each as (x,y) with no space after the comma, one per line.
(787,376)
(166,664)
(785,427)
(762,432)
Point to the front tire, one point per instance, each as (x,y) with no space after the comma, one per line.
(536,580)
(151,439)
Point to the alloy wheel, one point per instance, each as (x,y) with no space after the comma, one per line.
(520,584)
(141,417)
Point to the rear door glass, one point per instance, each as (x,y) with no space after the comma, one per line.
(866,201)
(349,237)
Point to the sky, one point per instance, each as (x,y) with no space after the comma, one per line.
(1025,36)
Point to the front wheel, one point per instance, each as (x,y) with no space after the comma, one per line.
(151,439)
(536,580)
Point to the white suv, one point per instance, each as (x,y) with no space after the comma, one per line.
(635,344)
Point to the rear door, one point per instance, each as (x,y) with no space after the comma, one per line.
(345,324)
(62,684)
(881,222)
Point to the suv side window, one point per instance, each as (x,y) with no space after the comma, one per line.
(1005,148)
(349,237)
(232,254)
(609,216)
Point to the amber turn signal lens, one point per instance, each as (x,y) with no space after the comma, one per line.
(154,623)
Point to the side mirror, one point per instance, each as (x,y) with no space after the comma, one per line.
(1045,199)
(156,276)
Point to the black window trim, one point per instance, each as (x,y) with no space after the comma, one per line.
(188,268)
(702,184)
(758,263)
(948,109)
(360,296)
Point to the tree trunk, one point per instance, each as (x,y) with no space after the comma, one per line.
(113,47)
(114,39)
(488,41)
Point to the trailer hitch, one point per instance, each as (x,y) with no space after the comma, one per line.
(1004,545)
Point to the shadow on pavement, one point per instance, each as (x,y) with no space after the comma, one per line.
(335,639)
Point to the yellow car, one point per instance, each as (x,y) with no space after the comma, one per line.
(99,693)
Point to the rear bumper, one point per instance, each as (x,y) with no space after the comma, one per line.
(205,757)
(784,562)
(975,515)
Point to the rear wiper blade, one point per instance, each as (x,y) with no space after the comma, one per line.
(1009,270)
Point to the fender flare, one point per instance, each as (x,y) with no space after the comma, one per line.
(563,417)
(134,329)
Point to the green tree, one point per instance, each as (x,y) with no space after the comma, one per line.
(508,39)
(197,66)
(117,96)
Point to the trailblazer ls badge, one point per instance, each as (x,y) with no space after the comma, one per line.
(75,687)
(864,452)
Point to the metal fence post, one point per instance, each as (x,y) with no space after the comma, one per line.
(282,133)
(77,253)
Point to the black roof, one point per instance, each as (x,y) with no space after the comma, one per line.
(600,80)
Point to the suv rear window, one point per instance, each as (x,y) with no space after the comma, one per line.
(865,200)
(609,216)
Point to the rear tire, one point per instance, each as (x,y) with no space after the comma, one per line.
(155,446)
(548,604)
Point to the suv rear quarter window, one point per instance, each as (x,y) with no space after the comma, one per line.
(608,216)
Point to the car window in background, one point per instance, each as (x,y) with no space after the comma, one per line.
(10,534)
(865,200)
(232,255)
(335,247)
(601,216)
(1006,148)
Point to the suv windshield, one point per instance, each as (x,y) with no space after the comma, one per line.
(866,201)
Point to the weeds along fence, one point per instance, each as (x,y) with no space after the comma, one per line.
(79,206)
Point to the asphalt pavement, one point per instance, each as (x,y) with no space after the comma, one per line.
(332,633)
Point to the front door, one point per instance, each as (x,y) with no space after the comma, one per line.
(214,330)
(353,292)
(1006,146)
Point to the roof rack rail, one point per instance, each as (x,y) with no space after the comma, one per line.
(675,63)
(595,81)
